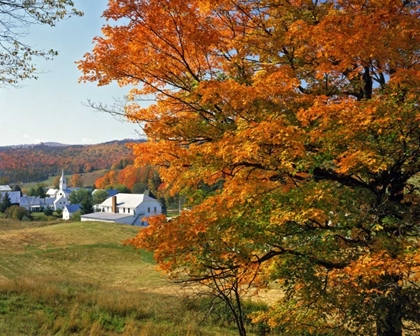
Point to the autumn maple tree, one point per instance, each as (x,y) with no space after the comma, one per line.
(302,119)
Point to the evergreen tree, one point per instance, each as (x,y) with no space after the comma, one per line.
(86,206)
(17,188)
(5,203)
(40,191)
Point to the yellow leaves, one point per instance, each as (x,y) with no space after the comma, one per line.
(373,267)
(267,114)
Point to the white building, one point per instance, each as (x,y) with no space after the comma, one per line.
(123,208)
(62,191)
(57,198)
(69,210)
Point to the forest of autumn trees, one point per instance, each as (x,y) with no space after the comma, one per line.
(137,179)
(304,117)
(40,161)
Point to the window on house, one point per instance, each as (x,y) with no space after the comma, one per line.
(148,210)
(155,210)
(128,210)
(123,210)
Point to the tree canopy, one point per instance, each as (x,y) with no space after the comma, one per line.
(76,181)
(304,115)
(16,17)
(77,196)
(99,196)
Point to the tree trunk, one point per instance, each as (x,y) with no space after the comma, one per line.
(390,325)
(389,315)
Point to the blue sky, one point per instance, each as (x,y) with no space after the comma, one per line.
(52,108)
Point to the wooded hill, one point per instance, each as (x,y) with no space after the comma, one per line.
(38,162)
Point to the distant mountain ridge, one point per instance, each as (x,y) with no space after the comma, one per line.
(37,162)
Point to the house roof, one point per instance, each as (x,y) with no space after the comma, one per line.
(5,188)
(30,201)
(108,216)
(128,200)
(55,200)
(35,201)
(111,192)
(51,191)
(72,207)
(48,201)
(14,195)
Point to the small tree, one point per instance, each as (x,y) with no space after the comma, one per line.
(39,191)
(75,216)
(5,202)
(56,182)
(76,181)
(48,212)
(17,188)
(86,206)
(139,188)
(99,196)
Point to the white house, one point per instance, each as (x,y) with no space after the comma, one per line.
(69,210)
(123,208)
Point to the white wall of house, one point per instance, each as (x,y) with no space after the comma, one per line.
(66,214)
(137,206)
(60,203)
(84,219)
(149,208)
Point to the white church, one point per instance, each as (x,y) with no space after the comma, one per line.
(56,198)
(61,195)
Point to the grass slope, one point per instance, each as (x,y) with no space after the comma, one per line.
(79,279)
(88,179)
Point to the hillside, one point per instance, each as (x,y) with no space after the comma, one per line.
(79,279)
(88,179)
(39,162)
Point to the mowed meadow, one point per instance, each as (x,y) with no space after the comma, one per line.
(79,279)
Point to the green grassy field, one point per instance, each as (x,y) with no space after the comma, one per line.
(79,279)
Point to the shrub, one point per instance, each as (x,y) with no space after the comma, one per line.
(76,216)
(17,212)
(48,212)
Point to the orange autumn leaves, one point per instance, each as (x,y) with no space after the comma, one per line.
(297,123)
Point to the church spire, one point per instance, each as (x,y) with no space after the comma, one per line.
(63,181)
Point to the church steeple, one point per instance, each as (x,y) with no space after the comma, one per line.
(63,181)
